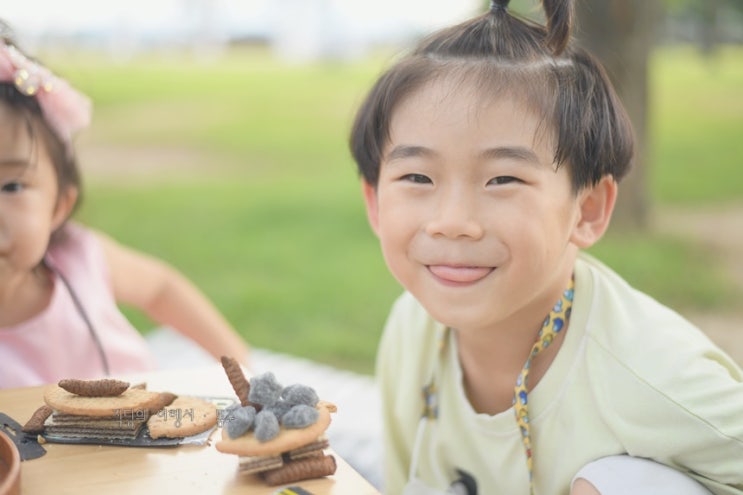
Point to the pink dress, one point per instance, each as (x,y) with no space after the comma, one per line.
(57,343)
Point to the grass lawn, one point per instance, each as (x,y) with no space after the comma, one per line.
(696,122)
(269,222)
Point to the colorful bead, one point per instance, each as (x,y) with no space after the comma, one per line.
(554,322)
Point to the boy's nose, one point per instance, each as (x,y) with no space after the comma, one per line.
(455,216)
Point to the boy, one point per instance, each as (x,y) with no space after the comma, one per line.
(490,157)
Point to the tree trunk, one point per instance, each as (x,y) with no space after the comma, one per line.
(621,34)
(708,19)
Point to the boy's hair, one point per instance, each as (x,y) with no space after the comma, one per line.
(507,56)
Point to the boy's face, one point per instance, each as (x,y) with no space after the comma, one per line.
(473,217)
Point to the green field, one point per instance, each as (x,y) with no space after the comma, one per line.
(242,179)
(697,125)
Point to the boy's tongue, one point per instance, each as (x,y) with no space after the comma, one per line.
(461,274)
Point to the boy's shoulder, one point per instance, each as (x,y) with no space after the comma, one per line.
(608,297)
(631,329)
(645,361)
(610,308)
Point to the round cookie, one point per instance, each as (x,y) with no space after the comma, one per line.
(287,439)
(204,417)
(68,403)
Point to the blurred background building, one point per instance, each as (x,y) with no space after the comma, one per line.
(302,30)
(297,30)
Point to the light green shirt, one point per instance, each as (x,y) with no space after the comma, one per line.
(632,377)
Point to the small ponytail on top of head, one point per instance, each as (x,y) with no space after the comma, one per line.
(499,6)
(514,34)
(560,17)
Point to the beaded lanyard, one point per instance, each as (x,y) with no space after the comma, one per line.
(553,324)
(555,321)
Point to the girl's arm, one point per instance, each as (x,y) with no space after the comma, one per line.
(169,298)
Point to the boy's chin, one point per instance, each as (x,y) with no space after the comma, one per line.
(459,317)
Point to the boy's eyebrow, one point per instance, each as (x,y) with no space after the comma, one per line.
(408,151)
(519,153)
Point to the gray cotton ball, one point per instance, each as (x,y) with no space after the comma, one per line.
(239,421)
(264,389)
(300,394)
(300,416)
(280,407)
(266,426)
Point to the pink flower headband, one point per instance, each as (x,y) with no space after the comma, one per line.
(65,109)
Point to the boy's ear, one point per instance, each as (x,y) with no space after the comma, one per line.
(65,204)
(596,205)
(372,209)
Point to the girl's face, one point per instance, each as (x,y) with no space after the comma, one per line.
(473,217)
(29,206)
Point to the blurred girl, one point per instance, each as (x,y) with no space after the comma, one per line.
(59,281)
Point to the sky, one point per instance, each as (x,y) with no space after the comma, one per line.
(161,18)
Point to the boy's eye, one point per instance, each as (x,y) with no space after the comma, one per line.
(417,178)
(503,179)
(11,187)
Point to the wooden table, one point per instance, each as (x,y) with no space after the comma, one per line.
(82,469)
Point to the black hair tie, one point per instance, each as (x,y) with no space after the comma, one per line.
(496,6)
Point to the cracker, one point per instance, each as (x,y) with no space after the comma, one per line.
(89,434)
(204,417)
(69,431)
(132,399)
(306,469)
(313,449)
(35,424)
(105,387)
(70,426)
(287,439)
(61,418)
(239,383)
(112,425)
(257,464)
(164,400)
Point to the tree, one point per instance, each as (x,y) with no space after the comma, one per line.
(621,34)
